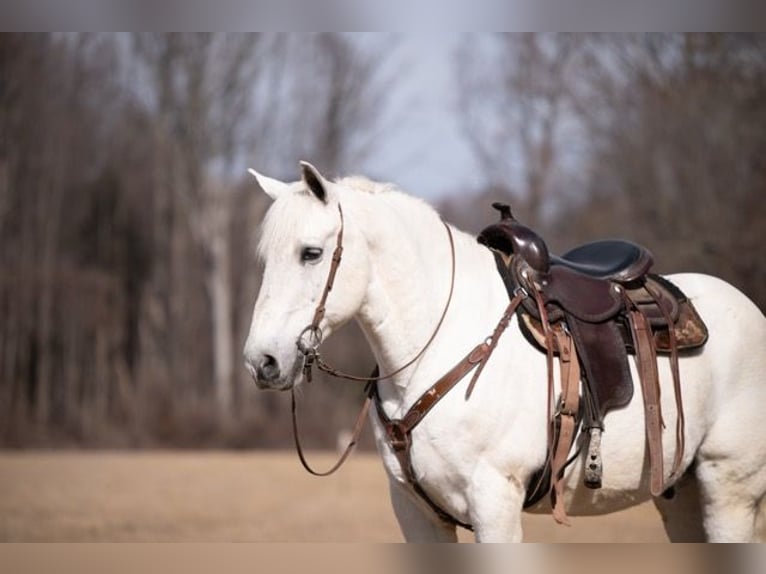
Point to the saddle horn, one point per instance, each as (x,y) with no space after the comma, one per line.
(504,209)
(512,237)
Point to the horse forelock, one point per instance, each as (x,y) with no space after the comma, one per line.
(284,217)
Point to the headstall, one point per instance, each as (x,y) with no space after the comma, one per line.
(398,431)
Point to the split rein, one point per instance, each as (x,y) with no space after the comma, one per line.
(311,338)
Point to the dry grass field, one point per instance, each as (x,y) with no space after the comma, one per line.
(225,496)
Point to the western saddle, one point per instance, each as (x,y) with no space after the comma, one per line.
(591,308)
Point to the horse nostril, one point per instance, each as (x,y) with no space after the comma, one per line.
(268,369)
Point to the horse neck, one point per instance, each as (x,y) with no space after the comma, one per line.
(408,290)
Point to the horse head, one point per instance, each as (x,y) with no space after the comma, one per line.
(299,240)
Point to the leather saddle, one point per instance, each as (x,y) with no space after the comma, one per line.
(590,288)
(601,294)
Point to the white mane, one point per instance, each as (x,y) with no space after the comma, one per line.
(366,185)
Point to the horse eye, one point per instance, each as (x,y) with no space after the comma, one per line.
(310,254)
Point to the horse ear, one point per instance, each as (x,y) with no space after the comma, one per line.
(273,187)
(314,180)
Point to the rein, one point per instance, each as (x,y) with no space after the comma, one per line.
(311,356)
(398,431)
(310,350)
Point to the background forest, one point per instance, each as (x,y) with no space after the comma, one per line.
(127,224)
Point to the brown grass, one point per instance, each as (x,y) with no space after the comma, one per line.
(214,496)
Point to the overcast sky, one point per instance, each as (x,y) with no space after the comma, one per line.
(424,151)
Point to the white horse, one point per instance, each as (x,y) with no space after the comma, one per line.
(475,457)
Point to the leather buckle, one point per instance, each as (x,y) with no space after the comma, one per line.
(520,291)
(398,438)
(563,410)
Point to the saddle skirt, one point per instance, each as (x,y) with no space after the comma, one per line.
(689,329)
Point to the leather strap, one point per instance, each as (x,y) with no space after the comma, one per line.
(647,371)
(544,320)
(560,443)
(313,330)
(567,417)
(358,427)
(492,340)
(399,431)
(337,255)
(311,354)
(675,473)
(310,351)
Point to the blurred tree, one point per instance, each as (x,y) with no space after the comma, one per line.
(53,147)
(515,95)
(658,137)
(211,93)
(202,86)
(127,278)
(341,89)
(678,133)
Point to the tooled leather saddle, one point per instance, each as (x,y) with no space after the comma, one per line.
(600,299)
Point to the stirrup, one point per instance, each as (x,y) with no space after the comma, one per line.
(594,467)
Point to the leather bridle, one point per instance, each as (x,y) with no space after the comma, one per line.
(311,337)
(397,431)
(310,349)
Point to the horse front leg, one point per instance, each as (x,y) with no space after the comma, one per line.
(417,523)
(497,503)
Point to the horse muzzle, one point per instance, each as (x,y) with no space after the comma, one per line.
(270,374)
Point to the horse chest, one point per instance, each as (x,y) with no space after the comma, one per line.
(440,466)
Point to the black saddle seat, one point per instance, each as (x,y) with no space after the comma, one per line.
(611,259)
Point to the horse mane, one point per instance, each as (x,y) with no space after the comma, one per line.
(366,185)
(362,184)
(280,217)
